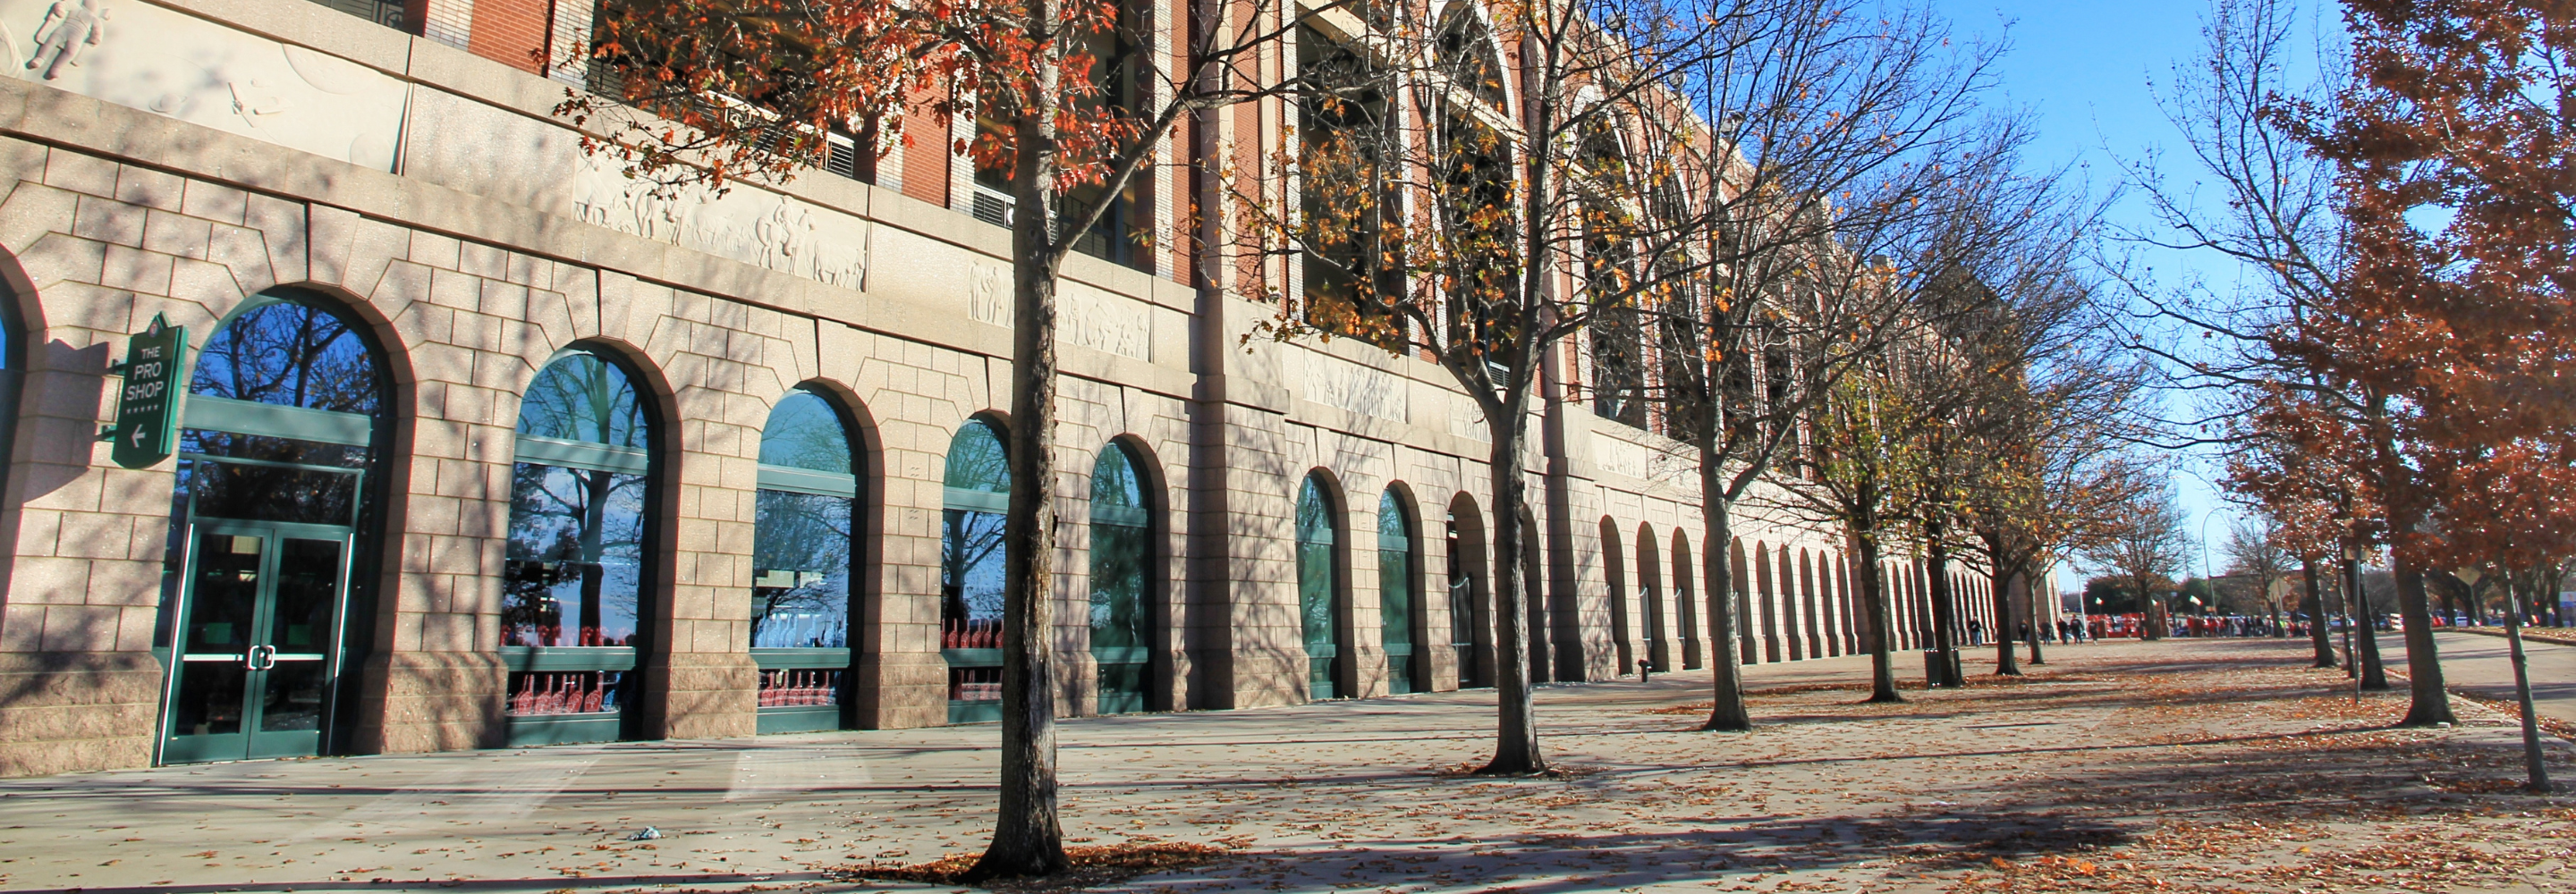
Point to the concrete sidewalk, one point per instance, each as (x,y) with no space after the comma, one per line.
(1319,797)
(2479,664)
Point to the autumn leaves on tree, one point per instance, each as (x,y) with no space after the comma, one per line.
(2403,378)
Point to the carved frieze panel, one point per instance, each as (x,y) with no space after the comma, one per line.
(1085,315)
(1344,385)
(1659,463)
(142,56)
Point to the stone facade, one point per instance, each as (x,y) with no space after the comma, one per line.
(433,192)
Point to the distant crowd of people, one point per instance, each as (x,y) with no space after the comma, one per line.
(2087,628)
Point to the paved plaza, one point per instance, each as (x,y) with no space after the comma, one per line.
(2206,765)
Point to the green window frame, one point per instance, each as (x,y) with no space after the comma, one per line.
(1318,590)
(976,492)
(1395,564)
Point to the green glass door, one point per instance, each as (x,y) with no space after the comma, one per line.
(260,636)
(1395,592)
(1317,591)
(1121,546)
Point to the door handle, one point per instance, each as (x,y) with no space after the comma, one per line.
(263,657)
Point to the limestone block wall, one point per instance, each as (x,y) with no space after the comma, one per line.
(477,243)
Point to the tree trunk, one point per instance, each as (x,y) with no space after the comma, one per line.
(2153,608)
(1726,665)
(1027,840)
(2318,636)
(2036,635)
(2533,763)
(2431,703)
(1945,641)
(2005,664)
(2365,627)
(1873,596)
(1516,729)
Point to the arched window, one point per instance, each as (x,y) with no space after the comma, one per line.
(971,572)
(1470,624)
(1122,627)
(1820,622)
(1615,572)
(574,579)
(13,376)
(1659,650)
(1686,603)
(804,537)
(1395,591)
(1769,611)
(276,477)
(1319,589)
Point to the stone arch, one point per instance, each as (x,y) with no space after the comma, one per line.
(1323,585)
(1128,618)
(1793,625)
(1402,608)
(1471,614)
(21,319)
(813,556)
(637,682)
(1769,613)
(1614,572)
(1740,576)
(1650,592)
(1820,633)
(284,443)
(1686,597)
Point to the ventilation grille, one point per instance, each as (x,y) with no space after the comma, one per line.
(843,158)
(992,207)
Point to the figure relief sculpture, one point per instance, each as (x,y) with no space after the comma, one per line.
(66,29)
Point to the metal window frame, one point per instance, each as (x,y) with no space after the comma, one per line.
(246,417)
(589,455)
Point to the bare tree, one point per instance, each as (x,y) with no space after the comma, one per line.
(1477,207)
(2322,357)
(1847,138)
(1075,99)
(2254,549)
(2146,547)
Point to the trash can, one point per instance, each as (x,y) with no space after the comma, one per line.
(1932,678)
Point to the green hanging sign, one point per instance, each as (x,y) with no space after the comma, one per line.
(147,409)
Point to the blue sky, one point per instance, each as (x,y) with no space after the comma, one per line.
(2083,69)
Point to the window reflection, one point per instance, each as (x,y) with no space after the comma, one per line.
(282,353)
(575,557)
(290,354)
(1121,545)
(802,540)
(972,575)
(1316,588)
(1395,591)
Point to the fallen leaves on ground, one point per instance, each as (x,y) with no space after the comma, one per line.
(1091,866)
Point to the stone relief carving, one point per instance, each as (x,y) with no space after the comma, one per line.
(1645,462)
(1348,386)
(1104,322)
(170,63)
(988,295)
(255,100)
(748,225)
(67,28)
(1466,421)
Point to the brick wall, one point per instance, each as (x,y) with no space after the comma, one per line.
(511,32)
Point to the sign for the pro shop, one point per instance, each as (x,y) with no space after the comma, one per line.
(147,408)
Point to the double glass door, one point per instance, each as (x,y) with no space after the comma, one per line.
(259,642)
